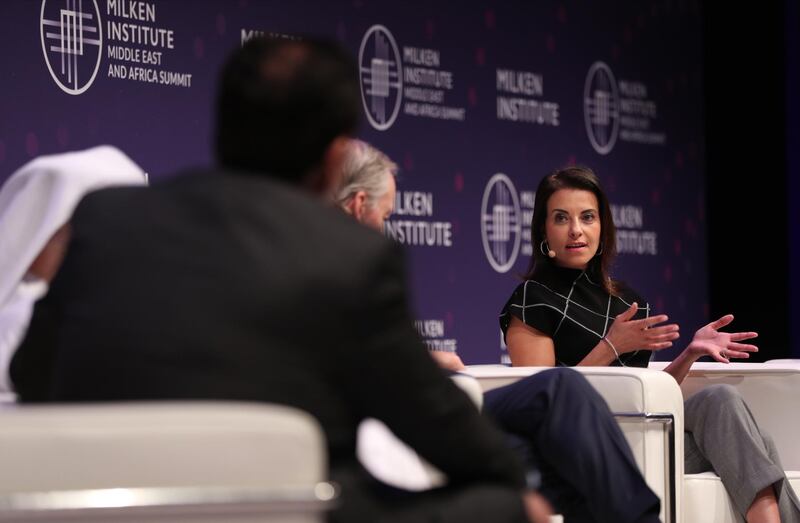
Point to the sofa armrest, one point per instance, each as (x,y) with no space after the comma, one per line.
(162,461)
(770,391)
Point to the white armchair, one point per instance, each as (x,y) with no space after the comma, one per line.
(771,391)
(645,399)
(162,461)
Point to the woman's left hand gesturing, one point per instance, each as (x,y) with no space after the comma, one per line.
(721,346)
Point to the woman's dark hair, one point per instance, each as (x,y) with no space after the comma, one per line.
(581,178)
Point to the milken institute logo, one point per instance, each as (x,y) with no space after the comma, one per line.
(381,79)
(500,223)
(601,107)
(72,40)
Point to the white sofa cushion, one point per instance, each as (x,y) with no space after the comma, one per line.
(705,499)
(158,444)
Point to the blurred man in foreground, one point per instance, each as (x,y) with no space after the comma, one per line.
(239,283)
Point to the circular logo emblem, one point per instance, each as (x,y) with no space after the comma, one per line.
(601,107)
(72,42)
(381,79)
(500,223)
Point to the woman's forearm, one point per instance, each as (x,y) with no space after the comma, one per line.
(680,366)
(601,355)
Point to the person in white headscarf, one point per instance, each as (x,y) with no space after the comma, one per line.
(36,204)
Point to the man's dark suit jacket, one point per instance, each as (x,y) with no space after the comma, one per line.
(234,286)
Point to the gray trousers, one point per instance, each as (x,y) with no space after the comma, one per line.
(722,436)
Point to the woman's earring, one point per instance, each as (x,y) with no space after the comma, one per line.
(544,247)
(600,250)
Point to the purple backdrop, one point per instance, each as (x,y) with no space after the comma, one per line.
(475,102)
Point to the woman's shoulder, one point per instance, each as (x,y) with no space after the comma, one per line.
(535,304)
(531,291)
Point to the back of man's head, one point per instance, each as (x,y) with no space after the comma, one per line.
(281,103)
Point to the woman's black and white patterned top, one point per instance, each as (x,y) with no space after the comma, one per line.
(572,308)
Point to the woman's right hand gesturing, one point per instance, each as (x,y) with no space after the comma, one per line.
(627,335)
